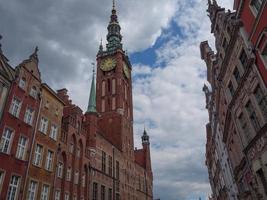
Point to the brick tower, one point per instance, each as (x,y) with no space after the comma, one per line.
(114,90)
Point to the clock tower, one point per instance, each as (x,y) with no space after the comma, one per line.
(114,90)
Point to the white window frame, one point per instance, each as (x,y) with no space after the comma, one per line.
(13,188)
(66,196)
(29,115)
(22,147)
(33,92)
(60,170)
(43,127)
(57,194)
(49,160)
(22,83)
(45,192)
(54,132)
(38,155)
(6,140)
(15,107)
(68,175)
(76,177)
(32,190)
(253,8)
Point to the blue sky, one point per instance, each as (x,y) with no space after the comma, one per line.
(162,38)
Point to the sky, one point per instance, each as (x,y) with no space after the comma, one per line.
(162,38)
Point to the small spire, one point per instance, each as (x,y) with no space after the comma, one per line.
(113,5)
(35,55)
(92,98)
(145,137)
(100,46)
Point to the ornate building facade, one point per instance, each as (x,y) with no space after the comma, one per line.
(58,152)
(236,101)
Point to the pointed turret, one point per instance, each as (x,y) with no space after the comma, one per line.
(114,36)
(92,98)
(100,50)
(34,56)
(145,138)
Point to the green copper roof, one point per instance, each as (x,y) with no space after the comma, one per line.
(92,98)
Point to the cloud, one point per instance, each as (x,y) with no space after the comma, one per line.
(167,95)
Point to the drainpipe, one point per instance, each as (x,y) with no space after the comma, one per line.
(32,145)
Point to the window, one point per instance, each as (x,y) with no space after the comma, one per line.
(21,149)
(103,88)
(38,155)
(243,58)
(43,125)
(103,161)
(33,92)
(68,176)
(113,86)
(78,152)
(60,170)
(261,100)
(231,88)
(117,170)
(256,4)
(6,140)
(237,75)
(83,180)
(15,107)
(57,195)
(66,197)
(32,190)
(76,177)
(244,126)
(103,192)
(110,165)
(109,194)
(2,175)
(28,118)
(45,192)
(71,148)
(53,132)
(13,188)
(252,115)
(103,105)
(113,103)
(22,83)
(95,191)
(117,196)
(49,160)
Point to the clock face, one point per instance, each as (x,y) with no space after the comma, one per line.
(108,64)
(126,70)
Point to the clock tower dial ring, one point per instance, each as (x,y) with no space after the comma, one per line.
(108,64)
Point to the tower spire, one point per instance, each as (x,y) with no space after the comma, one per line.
(34,56)
(145,137)
(114,36)
(92,98)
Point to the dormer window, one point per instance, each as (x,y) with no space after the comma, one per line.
(22,83)
(33,92)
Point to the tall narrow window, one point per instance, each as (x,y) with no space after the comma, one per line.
(43,125)
(21,149)
(103,88)
(53,132)
(95,192)
(83,180)
(103,161)
(109,194)
(49,160)
(113,103)
(38,155)
(261,100)
(15,107)
(113,86)
(244,126)
(252,115)
(13,188)
(60,170)
(57,195)
(110,165)
(6,141)
(68,175)
(117,170)
(33,92)
(22,83)
(67,196)
(45,192)
(103,105)
(76,177)
(109,86)
(103,192)
(32,191)
(29,114)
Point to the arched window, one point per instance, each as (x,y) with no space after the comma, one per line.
(103,88)
(113,86)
